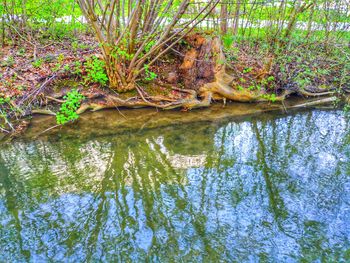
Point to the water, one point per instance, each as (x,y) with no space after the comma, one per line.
(269,188)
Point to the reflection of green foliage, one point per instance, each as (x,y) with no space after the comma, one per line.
(68,109)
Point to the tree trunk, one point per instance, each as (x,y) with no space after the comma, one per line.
(236,18)
(309,24)
(223,18)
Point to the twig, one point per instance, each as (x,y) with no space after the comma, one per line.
(54,99)
(139,90)
(44,112)
(37,91)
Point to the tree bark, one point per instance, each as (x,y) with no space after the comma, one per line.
(223,18)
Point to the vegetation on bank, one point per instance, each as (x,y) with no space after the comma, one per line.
(63,57)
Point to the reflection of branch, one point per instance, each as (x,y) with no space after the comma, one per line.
(11,202)
(276,202)
(48,129)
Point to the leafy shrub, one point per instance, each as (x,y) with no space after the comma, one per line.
(150,75)
(68,109)
(120,53)
(96,71)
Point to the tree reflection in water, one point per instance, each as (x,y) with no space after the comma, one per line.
(272,188)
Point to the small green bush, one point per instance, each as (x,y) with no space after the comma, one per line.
(68,109)
(96,71)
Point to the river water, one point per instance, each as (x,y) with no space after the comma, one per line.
(266,188)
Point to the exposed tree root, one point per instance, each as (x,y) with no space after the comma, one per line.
(43,112)
(315,103)
(112,101)
(316,94)
(203,71)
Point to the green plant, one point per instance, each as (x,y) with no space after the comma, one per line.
(68,109)
(346,108)
(149,45)
(247,70)
(21,52)
(251,87)
(271,78)
(96,72)
(228,40)
(56,67)
(120,53)
(37,63)
(270,97)
(14,76)
(75,45)
(77,68)
(60,58)
(4,100)
(231,53)
(66,67)
(150,75)
(21,87)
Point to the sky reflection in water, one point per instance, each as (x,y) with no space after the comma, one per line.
(269,188)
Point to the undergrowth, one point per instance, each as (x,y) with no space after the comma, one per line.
(67,112)
(96,72)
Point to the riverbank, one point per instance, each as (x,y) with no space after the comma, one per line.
(112,122)
(195,74)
